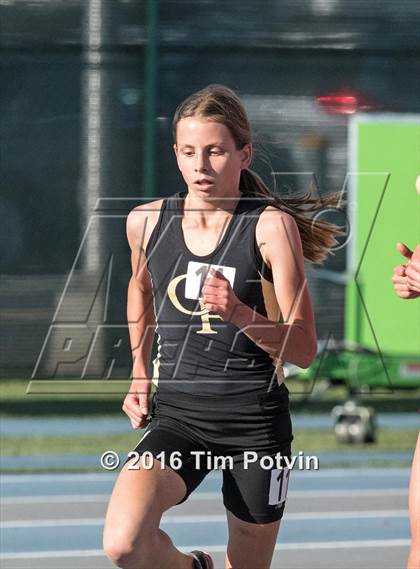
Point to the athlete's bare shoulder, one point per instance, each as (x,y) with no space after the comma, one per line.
(140,223)
(268,222)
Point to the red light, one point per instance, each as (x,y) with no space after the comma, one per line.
(342,103)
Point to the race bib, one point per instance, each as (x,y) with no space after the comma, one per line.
(197,273)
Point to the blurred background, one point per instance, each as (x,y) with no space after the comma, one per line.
(88,92)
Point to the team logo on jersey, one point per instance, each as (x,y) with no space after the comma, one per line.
(194,279)
(204,314)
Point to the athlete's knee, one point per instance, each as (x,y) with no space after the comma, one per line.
(249,530)
(256,531)
(120,553)
(127,553)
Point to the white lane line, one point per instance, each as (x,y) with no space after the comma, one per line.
(57,478)
(52,554)
(73,498)
(207,496)
(52,523)
(216,548)
(347,493)
(353,472)
(213,518)
(55,499)
(296,516)
(315,545)
(106,477)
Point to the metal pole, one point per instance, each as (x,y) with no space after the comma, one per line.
(150,99)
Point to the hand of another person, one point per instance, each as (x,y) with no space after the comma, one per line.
(413,271)
(406,278)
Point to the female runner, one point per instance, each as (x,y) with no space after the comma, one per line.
(219,269)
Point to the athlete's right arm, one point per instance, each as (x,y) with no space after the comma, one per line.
(141,319)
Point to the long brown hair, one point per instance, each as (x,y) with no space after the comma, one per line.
(223,105)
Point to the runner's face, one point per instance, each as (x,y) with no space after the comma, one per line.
(206,149)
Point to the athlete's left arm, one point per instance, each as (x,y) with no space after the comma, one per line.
(294,340)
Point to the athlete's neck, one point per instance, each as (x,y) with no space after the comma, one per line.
(203,208)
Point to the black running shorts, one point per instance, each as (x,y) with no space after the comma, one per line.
(244,436)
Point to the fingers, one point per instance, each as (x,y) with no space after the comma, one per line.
(406,280)
(144,403)
(215,279)
(400,282)
(402,291)
(410,294)
(137,423)
(213,275)
(136,407)
(210,284)
(400,270)
(215,302)
(211,300)
(218,274)
(414,266)
(212,280)
(137,419)
(212,288)
(404,250)
(413,279)
(399,279)
(207,297)
(414,287)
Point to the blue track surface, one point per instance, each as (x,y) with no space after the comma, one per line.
(76,529)
(31,427)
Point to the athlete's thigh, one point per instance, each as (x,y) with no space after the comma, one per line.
(139,498)
(147,486)
(255,490)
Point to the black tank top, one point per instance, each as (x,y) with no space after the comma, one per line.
(198,353)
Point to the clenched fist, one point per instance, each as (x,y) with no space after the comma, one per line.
(217,295)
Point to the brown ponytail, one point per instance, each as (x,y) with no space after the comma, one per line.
(318,237)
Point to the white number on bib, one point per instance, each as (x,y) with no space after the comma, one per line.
(278,486)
